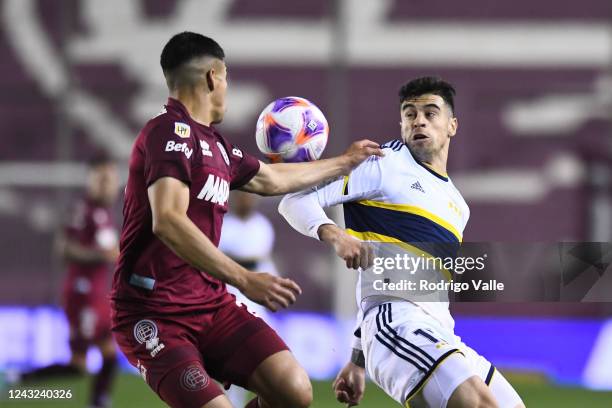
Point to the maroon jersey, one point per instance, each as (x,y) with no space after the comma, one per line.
(149,276)
(92,226)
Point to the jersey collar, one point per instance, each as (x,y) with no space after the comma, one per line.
(443,177)
(175,104)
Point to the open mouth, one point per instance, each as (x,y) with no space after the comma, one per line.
(419,136)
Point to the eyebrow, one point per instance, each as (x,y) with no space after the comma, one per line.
(411,105)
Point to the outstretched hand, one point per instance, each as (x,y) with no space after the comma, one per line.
(358,151)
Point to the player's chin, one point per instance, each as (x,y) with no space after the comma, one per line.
(217,118)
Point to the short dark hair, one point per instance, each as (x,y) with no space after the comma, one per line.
(428,85)
(100,158)
(184,47)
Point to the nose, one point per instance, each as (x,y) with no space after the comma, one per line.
(419,120)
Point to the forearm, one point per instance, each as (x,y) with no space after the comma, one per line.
(304,213)
(292,177)
(182,236)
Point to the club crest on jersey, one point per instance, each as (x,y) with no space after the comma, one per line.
(215,190)
(223,153)
(194,378)
(145,332)
(205,148)
(182,130)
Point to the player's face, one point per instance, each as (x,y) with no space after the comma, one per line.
(103,183)
(217,97)
(427,125)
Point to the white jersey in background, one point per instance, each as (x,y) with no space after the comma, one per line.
(249,241)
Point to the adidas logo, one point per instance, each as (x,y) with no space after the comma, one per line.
(417,186)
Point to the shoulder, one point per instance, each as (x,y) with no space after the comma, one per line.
(394,145)
(395,152)
(168,124)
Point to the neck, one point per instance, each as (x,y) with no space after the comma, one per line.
(198,107)
(438,163)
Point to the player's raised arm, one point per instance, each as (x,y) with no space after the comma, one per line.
(304,210)
(169,198)
(282,178)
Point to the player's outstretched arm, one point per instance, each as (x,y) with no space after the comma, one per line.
(282,178)
(304,211)
(169,199)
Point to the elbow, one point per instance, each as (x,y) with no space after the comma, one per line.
(162,225)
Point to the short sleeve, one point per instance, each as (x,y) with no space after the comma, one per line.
(167,154)
(243,167)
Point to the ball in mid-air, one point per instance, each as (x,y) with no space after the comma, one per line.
(291,129)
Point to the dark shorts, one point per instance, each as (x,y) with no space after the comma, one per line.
(89,321)
(178,355)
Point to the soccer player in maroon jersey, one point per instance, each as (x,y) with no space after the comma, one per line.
(89,246)
(172,314)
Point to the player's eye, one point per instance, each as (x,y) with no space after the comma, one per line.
(430,114)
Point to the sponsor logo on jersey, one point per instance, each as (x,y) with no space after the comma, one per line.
(145,332)
(417,186)
(223,153)
(172,146)
(215,190)
(194,378)
(182,130)
(455,208)
(237,152)
(205,148)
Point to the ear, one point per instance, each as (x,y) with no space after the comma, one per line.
(210,82)
(452,126)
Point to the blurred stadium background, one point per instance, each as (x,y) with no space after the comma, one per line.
(532,158)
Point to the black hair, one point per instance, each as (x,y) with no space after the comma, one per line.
(184,47)
(428,85)
(100,158)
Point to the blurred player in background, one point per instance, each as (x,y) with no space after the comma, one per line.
(410,347)
(247,238)
(172,314)
(88,244)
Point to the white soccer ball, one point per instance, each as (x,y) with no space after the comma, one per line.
(292,129)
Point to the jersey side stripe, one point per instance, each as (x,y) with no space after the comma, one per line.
(409,228)
(414,210)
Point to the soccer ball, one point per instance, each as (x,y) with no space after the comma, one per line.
(291,129)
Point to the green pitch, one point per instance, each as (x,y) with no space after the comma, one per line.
(132,392)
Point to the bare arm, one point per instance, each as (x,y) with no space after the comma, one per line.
(282,178)
(169,200)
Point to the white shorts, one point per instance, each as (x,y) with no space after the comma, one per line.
(418,362)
